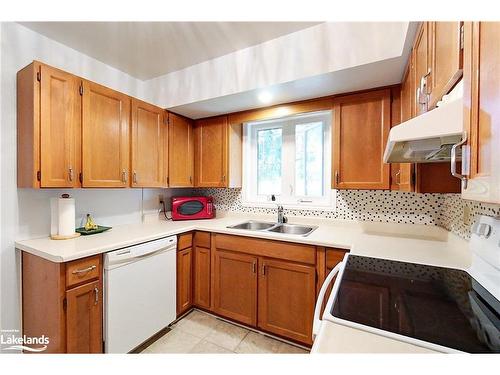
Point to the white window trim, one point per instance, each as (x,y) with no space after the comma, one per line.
(249,197)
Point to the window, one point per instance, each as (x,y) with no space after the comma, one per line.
(289,157)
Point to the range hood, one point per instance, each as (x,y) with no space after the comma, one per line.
(429,138)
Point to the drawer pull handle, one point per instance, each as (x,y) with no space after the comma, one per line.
(96,295)
(85,270)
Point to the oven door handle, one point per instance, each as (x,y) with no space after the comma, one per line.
(321,297)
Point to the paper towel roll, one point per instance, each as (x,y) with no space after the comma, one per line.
(66,214)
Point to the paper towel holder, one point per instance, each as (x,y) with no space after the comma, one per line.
(60,237)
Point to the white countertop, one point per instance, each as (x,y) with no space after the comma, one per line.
(406,242)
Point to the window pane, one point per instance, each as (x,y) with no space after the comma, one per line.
(309,159)
(269,161)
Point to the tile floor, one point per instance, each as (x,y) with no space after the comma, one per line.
(199,332)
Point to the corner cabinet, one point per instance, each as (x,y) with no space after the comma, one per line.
(482,110)
(49,127)
(211,147)
(360,129)
(180,151)
(63,301)
(184,273)
(201,270)
(149,145)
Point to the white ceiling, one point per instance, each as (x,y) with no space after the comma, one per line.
(146,50)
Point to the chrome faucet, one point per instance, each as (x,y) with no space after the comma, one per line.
(281,218)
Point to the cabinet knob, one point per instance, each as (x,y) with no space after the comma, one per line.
(124,176)
(134,177)
(70,174)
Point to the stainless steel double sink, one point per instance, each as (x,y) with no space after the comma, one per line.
(263,226)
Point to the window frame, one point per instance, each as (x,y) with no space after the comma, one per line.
(250,197)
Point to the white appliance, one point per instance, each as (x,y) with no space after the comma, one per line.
(429,137)
(482,300)
(139,293)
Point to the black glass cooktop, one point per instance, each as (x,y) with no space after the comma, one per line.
(439,305)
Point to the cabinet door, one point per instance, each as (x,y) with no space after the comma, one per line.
(401,173)
(482,109)
(60,125)
(446,59)
(287,293)
(180,151)
(148,128)
(361,127)
(106,122)
(211,146)
(421,68)
(84,319)
(202,277)
(235,286)
(184,280)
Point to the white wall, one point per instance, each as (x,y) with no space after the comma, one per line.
(310,52)
(25,212)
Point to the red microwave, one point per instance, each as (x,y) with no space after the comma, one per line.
(192,208)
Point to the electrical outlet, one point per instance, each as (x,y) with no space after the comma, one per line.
(160,198)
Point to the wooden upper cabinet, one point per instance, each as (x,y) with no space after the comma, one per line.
(180,151)
(360,130)
(84,318)
(401,173)
(211,152)
(49,125)
(235,286)
(482,109)
(287,314)
(148,145)
(421,69)
(105,137)
(446,58)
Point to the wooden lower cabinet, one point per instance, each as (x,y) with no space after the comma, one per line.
(201,294)
(270,285)
(184,280)
(64,308)
(286,299)
(235,286)
(84,318)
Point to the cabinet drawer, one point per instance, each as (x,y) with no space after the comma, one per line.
(184,241)
(268,248)
(202,239)
(82,270)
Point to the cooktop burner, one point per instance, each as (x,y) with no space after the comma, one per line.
(443,306)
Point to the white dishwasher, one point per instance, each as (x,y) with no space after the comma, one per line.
(139,293)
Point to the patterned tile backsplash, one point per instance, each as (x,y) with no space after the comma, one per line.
(445,210)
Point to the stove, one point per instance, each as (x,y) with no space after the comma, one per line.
(443,309)
(443,306)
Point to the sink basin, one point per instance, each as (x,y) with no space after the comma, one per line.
(253,225)
(302,230)
(292,229)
